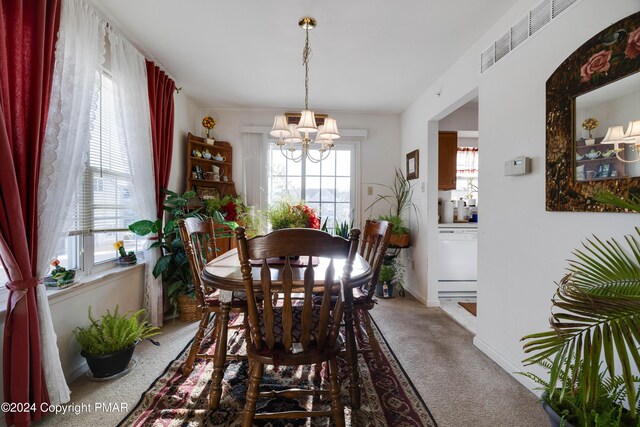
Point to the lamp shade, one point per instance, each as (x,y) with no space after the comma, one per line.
(633,131)
(307,122)
(614,134)
(330,129)
(280,128)
(294,136)
(320,137)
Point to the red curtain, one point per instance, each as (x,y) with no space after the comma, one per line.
(28,30)
(161,89)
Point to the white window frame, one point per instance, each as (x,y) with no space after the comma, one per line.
(354,147)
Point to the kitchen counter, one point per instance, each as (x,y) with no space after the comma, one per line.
(458,225)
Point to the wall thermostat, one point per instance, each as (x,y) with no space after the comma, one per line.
(518,166)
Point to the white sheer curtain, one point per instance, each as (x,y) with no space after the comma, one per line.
(78,57)
(255,155)
(130,78)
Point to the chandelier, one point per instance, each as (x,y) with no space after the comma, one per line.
(292,137)
(616,135)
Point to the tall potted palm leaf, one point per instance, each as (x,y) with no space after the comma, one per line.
(591,351)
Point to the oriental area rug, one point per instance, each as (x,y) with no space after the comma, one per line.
(389,398)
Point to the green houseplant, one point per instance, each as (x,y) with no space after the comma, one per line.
(108,343)
(173,265)
(595,317)
(400,203)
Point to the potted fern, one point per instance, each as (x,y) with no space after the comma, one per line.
(591,352)
(108,343)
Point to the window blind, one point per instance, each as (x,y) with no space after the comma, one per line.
(105,201)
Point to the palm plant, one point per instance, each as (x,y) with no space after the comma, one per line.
(595,316)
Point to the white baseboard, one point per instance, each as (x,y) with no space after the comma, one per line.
(428,303)
(509,367)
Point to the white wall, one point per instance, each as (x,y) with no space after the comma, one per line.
(186,119)
(522,248)
(378,152)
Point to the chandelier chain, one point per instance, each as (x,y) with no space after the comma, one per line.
(306,55)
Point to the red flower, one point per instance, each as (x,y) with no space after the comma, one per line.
(312,219)
(230,211)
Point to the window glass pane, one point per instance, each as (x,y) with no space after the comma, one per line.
(278,189)
(328,192)
(294,168)
(278,163)
(312,192)
(328,165)
(343,163)
(313,169)
(103,245)
(343,190)
(343,212)
(3,276)
(294,187)
(327,211)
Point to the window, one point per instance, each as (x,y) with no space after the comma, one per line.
(467,172)
(105,203)
(327,186)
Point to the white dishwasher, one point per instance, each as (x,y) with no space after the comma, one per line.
(457,262)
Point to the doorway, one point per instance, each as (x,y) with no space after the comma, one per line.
(458,199)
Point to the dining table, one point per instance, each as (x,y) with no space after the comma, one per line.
(223,273)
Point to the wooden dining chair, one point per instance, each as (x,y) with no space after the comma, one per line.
(294,332)
(373,246)
(200,247)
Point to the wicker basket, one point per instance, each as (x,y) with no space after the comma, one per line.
(400,240)
(188,309)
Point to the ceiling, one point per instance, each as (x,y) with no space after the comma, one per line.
(368,55)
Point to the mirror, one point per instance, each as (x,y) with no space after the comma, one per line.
(616,104)
(596,81)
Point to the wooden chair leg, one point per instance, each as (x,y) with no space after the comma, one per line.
(334,390)
(187,368)
(255,376)
(373,342)
(220,357)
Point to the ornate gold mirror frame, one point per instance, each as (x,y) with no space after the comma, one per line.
(610,55)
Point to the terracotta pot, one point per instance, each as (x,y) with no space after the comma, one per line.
(400,240)
(188,310)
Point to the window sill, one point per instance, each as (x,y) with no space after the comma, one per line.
(84,284)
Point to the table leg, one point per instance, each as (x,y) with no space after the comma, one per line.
(352,350)
(220,355)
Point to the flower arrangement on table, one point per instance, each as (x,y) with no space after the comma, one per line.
(288,215)
(60,277)
(590,124)
(124,257)
(209,123)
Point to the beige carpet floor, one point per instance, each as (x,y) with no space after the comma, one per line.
(461,386)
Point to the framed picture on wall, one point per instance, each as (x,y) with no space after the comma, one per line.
(413,165)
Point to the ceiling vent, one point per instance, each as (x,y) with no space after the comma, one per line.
(536,20)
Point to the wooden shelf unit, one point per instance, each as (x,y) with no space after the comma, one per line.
(226,167)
